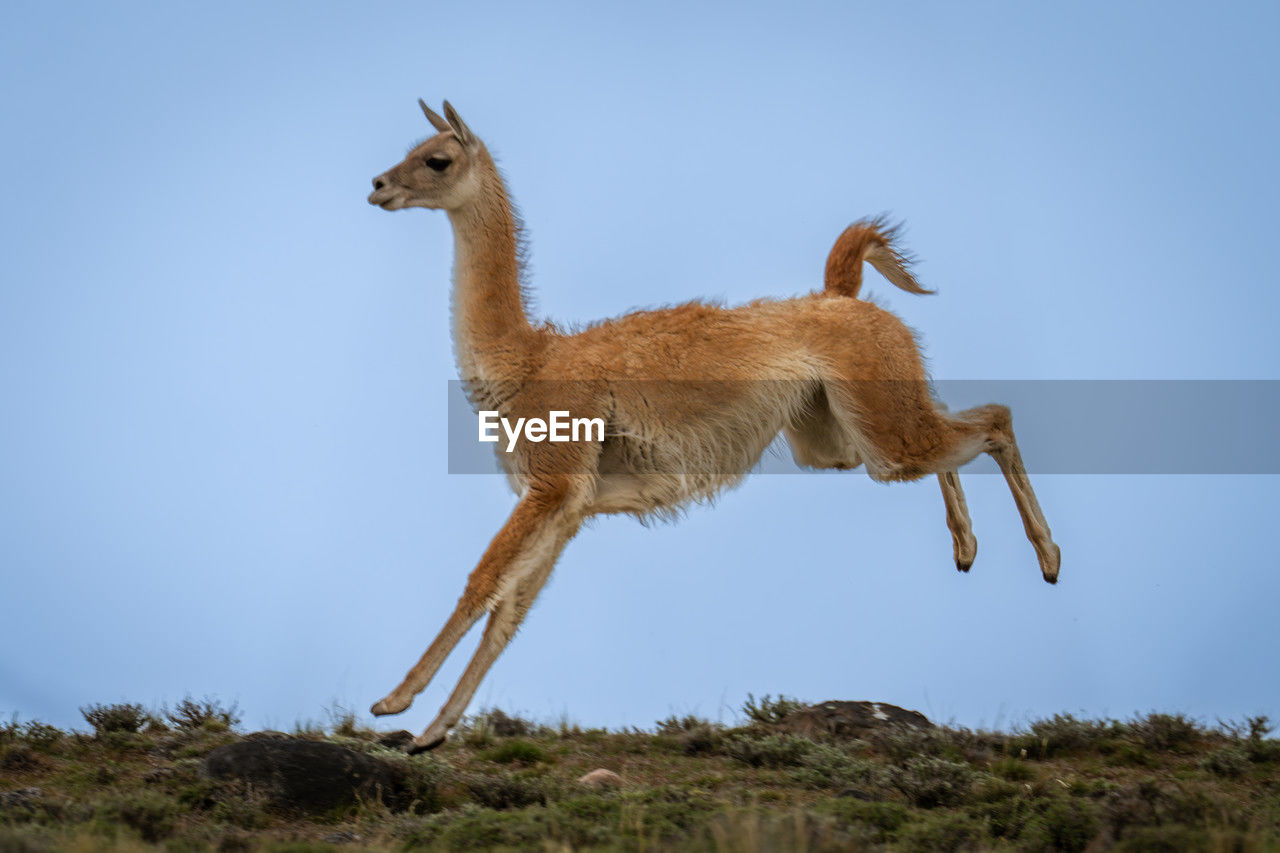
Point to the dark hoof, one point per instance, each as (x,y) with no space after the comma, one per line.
(416,748)
(964,567)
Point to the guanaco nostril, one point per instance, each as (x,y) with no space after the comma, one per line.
(378,183)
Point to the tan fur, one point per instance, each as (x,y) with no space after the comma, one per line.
(691,395)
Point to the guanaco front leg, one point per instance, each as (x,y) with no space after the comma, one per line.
(964,545)
(501,627)
(522,537)
(426,668)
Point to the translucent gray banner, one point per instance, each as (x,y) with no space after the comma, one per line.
(1062,426)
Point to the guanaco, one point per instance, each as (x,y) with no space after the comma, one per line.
(691,395)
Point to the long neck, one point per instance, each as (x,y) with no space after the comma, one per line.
(491,334)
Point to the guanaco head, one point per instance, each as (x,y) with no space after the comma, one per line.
(439,173)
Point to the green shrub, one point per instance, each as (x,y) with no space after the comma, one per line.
(668,812)
(505,725)
(704,740)
(1092,788)
(1002,808)
(825,766)
(205,743)
(423,778)
(931,782)
(508,790)
(207,713)
(781,750)
(11,730)
(768,710)
(1154,801)
(886,817)
(756,829)
(42,736)
(693,735)
(1014,769)
(942,832)
(240,806)
(1165,732)
(471,828)
(127,717)
(902,742)
(19,758)
(1230,761)
(590,820)
(152,815)
(674,725)
(1131,754)
(480,730)
(1258,746)
(1165,839)
(1065,824)
(25,839)
(517,752)
(345,723)
(1063,733)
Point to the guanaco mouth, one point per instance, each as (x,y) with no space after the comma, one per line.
(385,200)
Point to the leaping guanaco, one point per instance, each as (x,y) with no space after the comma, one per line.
(691,396)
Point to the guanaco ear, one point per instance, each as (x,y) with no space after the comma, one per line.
(459,127)
(436,122)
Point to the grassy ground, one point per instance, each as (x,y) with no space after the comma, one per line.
(1159,782)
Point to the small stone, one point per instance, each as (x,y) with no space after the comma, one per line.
(21,798)
(857,794)
(601,779)
(343,837)
(396,740)
(158,774)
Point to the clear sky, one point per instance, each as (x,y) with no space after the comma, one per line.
(224,376)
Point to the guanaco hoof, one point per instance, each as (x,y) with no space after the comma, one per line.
(1050,571)
(389,706)
(426,746)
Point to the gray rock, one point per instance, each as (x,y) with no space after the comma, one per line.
(268,734)
(342,838)
(158,774)
(21,798)
(396,740)
(851,719)
(310,776)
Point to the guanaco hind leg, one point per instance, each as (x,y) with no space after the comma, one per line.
(908,436)
(994,425)
(964,545)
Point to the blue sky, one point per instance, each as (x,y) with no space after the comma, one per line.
(224,375)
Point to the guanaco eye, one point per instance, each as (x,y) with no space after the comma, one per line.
(438,163)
